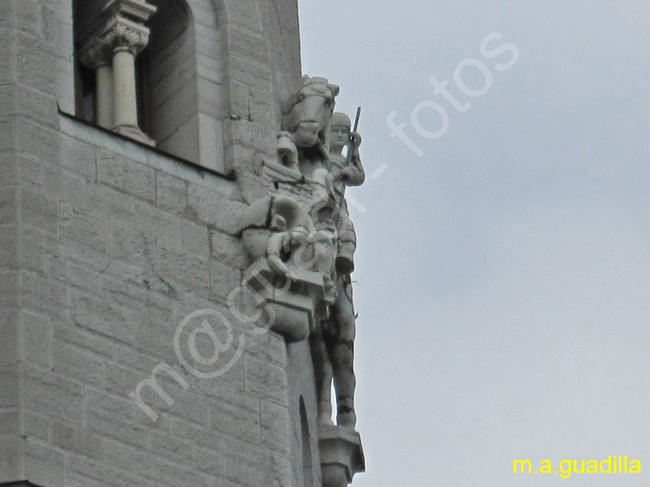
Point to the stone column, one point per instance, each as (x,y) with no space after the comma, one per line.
(127,41)
(98,56)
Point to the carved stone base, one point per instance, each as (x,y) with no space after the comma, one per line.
(297,305)
(341,455)
(134,133)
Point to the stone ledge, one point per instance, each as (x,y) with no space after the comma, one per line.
(102,138)
(341,455)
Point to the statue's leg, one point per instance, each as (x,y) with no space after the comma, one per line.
(347,241)
(325,248)
(323,373)
(342,354)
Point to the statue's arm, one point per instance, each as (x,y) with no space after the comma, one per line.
(353,174)
(356,173)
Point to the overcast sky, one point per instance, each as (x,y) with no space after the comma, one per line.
(502,277)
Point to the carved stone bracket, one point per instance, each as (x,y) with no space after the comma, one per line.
(295,303)
(341,455)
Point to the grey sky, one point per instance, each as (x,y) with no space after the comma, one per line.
(503,276)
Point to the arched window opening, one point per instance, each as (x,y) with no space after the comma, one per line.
(168,81)
(307,460)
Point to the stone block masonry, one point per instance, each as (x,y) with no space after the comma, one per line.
(106,244)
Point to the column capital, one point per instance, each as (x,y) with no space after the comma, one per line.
(124,35)
(95,52)
(119,26)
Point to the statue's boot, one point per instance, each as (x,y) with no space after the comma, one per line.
(344,263)
(346,416)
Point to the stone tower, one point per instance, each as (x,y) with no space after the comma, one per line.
(160,194)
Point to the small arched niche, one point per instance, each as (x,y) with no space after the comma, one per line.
(307,458)
(167,85)
(180,87)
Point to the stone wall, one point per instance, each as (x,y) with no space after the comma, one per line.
(106,245)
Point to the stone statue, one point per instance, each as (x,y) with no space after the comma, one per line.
(333,340)
(312,143)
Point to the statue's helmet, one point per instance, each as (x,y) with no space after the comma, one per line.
(339,118)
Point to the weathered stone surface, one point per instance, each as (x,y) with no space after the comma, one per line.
(175,264)
(208,461)
(195,238)
(8,247)
(7,132)
(62,186)
(8,205)
(171,192)
(9,172)
(228,250)
(9,332)
(37,426)
(9,290)
(110,426)
(76,364)
(45,296)
(32,249)
(126,175)
(8,422)
(160,224)
(20,100)
(133,247)
(64,333)
(80,228)
(109,203)
(6,59)
(9,458)
(235,421)
(223,279)
(37,339)
(76,440)
(275,427)
(52,395)
(37,141)
(78,156)
(265,380)
(104,318)
(44,464)
(35,66)
(38,211)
